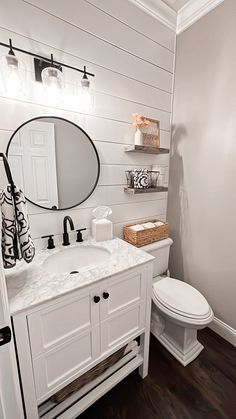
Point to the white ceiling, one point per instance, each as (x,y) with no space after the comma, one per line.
(176,4)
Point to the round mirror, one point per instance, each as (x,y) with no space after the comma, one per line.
(54,162)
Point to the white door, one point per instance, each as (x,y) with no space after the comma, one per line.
(32,159)
(10,397)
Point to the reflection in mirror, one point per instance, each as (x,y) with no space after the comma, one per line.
(54,162)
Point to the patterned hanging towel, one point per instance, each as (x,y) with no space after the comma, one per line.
(16,239)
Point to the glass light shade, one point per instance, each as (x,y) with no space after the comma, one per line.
(86,95)
(13,75)
(53,81)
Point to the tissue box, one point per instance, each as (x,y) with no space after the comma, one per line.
(148,235)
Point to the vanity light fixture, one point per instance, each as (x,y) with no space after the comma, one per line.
(47,70)
(13,73)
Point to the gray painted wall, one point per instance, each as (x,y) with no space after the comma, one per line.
(202,193)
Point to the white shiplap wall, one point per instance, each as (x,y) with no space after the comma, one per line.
(132,55)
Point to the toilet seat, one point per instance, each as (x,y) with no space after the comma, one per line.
(180,300)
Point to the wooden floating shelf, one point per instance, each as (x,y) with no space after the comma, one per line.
(134,191)
(146,149)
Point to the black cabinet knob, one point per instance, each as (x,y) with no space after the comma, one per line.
(105,295)
(96,299)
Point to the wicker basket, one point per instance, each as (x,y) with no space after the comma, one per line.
(147,236)
(88,376)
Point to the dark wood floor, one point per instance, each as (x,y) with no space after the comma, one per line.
(205,389)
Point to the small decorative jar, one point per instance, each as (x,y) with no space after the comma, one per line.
(154,175)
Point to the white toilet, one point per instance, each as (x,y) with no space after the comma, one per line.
(178,309)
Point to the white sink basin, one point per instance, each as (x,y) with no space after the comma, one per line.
(71,260)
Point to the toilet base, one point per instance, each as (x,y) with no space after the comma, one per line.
(180,341)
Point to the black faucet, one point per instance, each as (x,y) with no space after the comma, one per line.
(65,232)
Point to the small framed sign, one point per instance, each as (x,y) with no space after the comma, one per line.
(151,133)
(147,131)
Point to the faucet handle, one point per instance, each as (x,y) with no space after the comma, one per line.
(79,235)
(51,244)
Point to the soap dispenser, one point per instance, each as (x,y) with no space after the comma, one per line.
(102,228)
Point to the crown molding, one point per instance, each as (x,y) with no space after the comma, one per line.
(186,16)
(159,10)
(193,11)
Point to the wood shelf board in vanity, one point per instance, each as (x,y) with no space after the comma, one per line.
(134,191)
(146,149)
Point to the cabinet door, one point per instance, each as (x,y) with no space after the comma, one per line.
(122,308)
(64,338)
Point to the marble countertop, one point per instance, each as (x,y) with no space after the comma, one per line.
(29,284)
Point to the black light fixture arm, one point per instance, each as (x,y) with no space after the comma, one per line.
(11,52)
(49,60)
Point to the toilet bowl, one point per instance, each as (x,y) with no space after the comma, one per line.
(178,309)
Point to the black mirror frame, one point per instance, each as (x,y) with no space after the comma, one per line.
(81,129)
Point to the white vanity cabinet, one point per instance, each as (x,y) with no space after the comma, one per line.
(59,340)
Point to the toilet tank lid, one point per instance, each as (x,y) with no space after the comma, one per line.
(157,245)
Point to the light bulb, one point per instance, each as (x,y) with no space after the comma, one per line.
(54,83)
(13,75)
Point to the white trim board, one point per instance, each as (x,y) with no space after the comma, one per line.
(193,11)
(177,21)
(224,330)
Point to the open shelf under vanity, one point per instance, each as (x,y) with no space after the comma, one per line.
(80,400)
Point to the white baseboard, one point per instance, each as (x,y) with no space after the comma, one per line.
(224,330)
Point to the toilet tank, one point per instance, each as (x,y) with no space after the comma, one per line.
(160,250)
